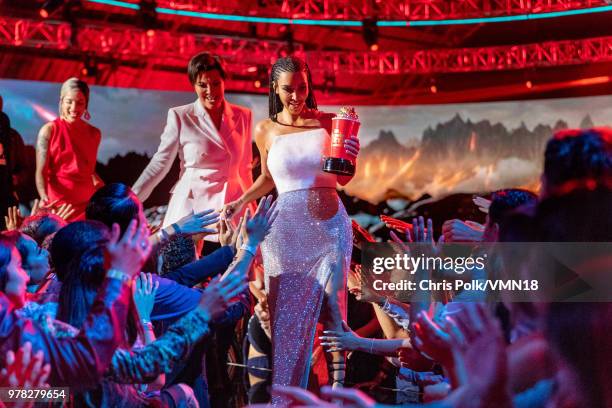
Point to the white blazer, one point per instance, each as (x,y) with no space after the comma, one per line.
(215,165)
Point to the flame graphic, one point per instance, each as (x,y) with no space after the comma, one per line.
(473,142)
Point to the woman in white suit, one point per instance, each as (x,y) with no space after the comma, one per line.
(213,140)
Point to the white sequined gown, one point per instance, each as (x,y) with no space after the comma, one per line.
(306,255)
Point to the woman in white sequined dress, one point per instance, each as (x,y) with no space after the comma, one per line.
(307,253)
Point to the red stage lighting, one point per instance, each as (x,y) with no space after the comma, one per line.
(150,33)
(528,84)
(257,84)
(370,33)
(433,89)
(252,69)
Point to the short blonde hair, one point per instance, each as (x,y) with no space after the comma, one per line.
(74,84)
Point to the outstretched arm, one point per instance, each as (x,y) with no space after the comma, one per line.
(161,162)
(264,183)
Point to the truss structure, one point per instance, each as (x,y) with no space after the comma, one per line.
(128,43)
(383,9)
(250,56)
(548,54)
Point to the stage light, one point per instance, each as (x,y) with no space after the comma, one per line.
(370,33)
(433,88)
(147,16)
(528,84)
(49,7)
(90,67)
(251,69)
(289,39)
(257,84)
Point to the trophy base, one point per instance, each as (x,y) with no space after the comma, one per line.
(338,166)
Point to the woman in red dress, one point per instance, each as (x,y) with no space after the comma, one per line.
(66,152)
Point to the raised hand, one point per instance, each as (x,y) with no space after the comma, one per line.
(196,223)
(432,341)
(129,253)
(482,203)
(420,233)
(36,206)
(221,293)
(64,211)
(231,209)
(479,353)
(258,226)
(13,219)
(462,231)
(226,232)
(24,369)
(143,292)
(340,340)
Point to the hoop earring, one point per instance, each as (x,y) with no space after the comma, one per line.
(87,115)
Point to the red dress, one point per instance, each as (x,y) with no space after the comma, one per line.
(71,163)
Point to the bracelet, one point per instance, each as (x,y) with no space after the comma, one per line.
(251,249)
(119,275)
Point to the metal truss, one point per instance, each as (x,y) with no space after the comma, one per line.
(382,9)
(127,43)
(251,56)
(31,33)
(548,54)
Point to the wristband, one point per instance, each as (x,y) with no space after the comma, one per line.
(147,324)
(119,275)
(177,229)
(251,249)
(165,237)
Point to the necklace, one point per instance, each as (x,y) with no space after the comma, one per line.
(275,120)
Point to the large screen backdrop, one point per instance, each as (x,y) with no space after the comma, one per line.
(407,151)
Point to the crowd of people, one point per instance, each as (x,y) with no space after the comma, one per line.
(124,316)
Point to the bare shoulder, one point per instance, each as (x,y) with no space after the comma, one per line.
(262,131)
(45,131)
